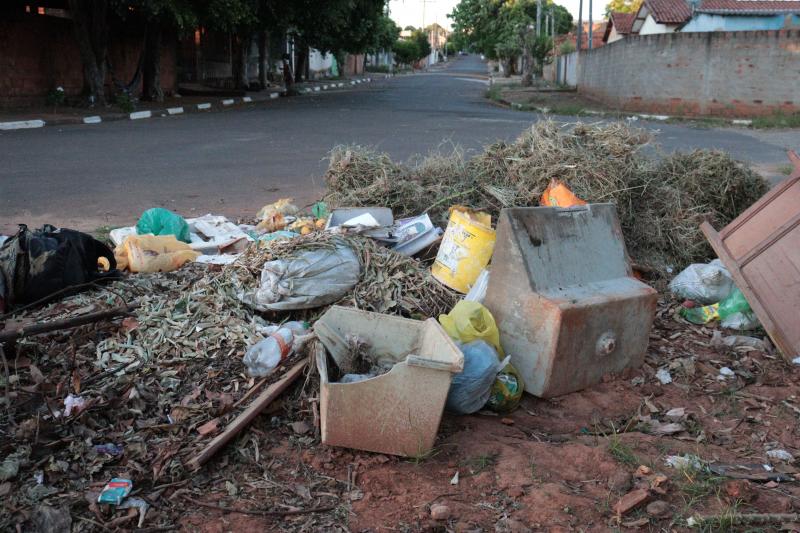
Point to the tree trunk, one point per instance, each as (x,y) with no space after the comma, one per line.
(263,60)
(527,58)
(300,67)
(90,20)
(151,86)
(241,79)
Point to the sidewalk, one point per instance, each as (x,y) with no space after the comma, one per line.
(174,105)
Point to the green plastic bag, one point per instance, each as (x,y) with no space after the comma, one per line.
(733,312)
(160,221)
(506,390)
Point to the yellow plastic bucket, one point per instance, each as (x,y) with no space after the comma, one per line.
(466,249)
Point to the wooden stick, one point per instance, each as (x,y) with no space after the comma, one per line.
(323,509)
(55,325)
(254,389)
(748,518)
(247,416)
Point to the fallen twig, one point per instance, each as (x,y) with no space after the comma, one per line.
(748,518)
(55,325)
(323,509)
(247,416)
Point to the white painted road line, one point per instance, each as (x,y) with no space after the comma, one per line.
(247,99)
(174,110)
(136,115)
(273,95)
(204,106)
(21,124)
(92,120)
(316,89)
(228,101)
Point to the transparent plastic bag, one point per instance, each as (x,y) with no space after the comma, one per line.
(470,389)
(307,280)
(703,283)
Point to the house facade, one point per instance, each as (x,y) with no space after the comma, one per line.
(744,15)
(660,16)
(619,25)
(668,16)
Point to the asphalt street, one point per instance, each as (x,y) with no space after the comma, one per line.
(233,162)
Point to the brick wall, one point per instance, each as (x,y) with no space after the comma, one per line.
(720,73)
(39,53)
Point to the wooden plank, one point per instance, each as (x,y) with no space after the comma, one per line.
(766,318)
(247,416)
(769,241)
(759,206)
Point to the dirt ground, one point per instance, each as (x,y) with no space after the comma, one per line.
(551,465)
(560,464)
(557,101)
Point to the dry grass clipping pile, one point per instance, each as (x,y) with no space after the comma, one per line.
(660,200)
(389,283)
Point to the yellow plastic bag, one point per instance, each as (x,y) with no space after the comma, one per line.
(558,195)
(153,253)
(284,206)
(471,321)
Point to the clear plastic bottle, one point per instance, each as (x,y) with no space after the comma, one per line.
(264,357)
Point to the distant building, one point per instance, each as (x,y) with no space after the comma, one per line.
(665,16)
(744,15)
(619,25)
(598,31)
(661,16)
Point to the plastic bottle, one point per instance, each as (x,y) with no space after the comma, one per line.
(264,357)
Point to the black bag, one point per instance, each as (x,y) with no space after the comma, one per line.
(36,264)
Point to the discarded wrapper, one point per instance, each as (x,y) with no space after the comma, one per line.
(115,491)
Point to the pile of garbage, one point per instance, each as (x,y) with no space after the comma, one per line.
(131,369)
(661,199)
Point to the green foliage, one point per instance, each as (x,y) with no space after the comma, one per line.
(492,26)
(124,102)
(623,6)
(56,97)
(386,34)
(420,37)
(450,48)
(405,52)
(567,47)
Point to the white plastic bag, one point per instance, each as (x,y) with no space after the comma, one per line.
(478,290)
(310,279)
(703,283)
(470,390)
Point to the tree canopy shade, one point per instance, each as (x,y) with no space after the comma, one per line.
(337,26)
(492,27)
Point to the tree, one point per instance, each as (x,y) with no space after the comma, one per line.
(405,52)
(91,25)
(420,37)
(492,27)
(623,6)
(386,34)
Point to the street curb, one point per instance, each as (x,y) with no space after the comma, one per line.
(619,114)
(227,103)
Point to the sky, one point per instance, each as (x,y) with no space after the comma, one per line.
(409,12)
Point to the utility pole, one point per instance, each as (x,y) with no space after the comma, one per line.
(538,17)
(578,39)
(591,41)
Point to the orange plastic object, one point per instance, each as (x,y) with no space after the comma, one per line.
(559,195)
